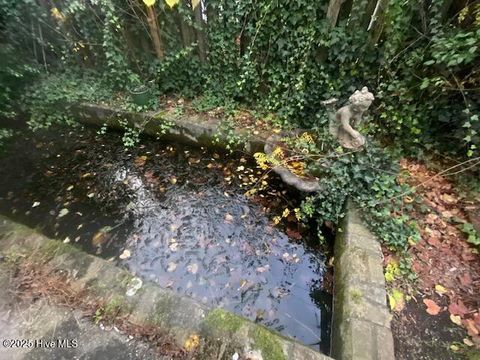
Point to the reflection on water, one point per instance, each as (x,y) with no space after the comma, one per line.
(183,225)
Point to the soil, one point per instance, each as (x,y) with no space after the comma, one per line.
(447,270)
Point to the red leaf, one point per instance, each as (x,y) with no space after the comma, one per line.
(432,307)
(457,308)
(465,279)
(471,328)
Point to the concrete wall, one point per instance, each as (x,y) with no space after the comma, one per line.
(361,320)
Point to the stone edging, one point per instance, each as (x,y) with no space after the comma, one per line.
(191,129)
(151,304)
(361,320)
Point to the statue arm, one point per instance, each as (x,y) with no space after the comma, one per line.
(345,121)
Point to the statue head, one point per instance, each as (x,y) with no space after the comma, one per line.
(361,100)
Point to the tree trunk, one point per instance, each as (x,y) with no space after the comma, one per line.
(377,22)
(200,33)
(155,32)
(333,11)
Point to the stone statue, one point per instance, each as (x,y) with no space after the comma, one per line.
(343,122)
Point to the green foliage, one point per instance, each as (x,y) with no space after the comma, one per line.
(472,235)
(5,134)
(49,100)
(369,179)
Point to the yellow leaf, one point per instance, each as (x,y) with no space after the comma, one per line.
(195,3)
(396,300)
(172,3)
(457,320)
(286,212)
(149,2)
(440,289)
(192,342)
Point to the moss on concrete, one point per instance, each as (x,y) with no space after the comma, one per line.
(356,296)
(54,248)
(265,341)
(224,321)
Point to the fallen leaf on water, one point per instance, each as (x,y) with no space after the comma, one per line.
(125,255)
(171,266)
(432,307)
(35,204)
(140,161)
(457,320)
(63,212)
(193,268)
(262,269)
(192,342)
(91,195)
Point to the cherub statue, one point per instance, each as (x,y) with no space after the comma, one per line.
(343,122)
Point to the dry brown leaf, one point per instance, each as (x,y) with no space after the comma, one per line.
(432,307)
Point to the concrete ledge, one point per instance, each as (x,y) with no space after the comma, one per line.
(361,320)
(152,305)
(191,129)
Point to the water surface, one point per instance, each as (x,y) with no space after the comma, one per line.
(172,215)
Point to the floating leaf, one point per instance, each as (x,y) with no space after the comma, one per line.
(141,160)
(63,212)
(262,269)
(432,307)
(171,266)
(35,204)
(125,255)
(193,268)
(91,195)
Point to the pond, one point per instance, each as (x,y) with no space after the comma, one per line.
(173,215)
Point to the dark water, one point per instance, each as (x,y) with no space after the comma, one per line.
(178,216)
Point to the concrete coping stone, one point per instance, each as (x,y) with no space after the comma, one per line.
(361,320)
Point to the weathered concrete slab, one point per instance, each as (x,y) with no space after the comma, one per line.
(151,304)
(52,332)
(191,129)
(361,320)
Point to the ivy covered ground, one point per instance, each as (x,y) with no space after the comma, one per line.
(265,67)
